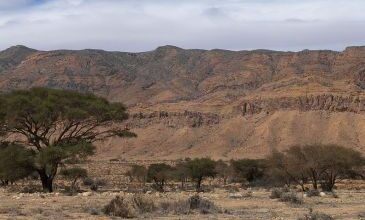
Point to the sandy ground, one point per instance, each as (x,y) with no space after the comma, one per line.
(350,204)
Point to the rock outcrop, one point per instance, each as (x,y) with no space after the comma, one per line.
(325,102)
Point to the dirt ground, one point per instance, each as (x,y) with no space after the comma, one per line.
(350,204)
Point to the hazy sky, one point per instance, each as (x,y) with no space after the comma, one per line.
(140,25)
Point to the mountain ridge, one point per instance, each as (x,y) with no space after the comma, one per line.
(196,96)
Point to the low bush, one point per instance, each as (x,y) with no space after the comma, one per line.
(30,189)
(94,184)
(276,193)
(291,197)
(70,191)
(203,205)
(312,193)
(179,207)
(120,207)
(316,216)
(194,203)
(129,207)
(88,181)
(143,204)
(101,182)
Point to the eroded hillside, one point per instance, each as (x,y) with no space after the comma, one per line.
(209,103)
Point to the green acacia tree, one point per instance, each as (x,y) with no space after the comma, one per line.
(248,169)
(59,125)
(159,173)
(200,168)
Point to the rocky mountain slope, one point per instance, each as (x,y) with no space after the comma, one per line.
(217,103)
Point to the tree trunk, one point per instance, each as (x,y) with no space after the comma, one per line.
(47,182)
(198,184)
(314,179)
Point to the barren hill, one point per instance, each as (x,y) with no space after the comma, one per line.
(217,103)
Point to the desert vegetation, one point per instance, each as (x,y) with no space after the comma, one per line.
(48,135)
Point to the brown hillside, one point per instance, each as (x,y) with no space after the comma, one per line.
(216,103)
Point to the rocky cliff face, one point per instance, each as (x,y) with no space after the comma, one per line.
(325,102)
(217,103)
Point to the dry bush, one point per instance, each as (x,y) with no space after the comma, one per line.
(129,207)
(143,204)
(88,181)
(203,205)
(316,216)
(120,207)
(184,207)
(312,193)
(276,193)
(179,207)
(291,197)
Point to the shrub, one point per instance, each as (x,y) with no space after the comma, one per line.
(94,211)
(203,205)
(129,208)
(179,207)
(143,204)
(194,203)
(30,189)
(316,216)
(312,193)
(101,182)
(94,184)
(291,197)
(16,162)
(88,182)
(94,187)
(74,174)
(276,193)
(120,207)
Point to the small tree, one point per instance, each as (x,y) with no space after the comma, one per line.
(278,172)
(74,174)
(321,164)
(248,169)
(337,163)
(159,173)
(181,173)
(223,170)
(58,125)
(16,162)
(137,172)
(199,169)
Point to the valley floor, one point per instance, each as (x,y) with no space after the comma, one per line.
(350,204)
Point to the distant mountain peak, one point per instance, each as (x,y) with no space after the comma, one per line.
(168,47)
(18,49)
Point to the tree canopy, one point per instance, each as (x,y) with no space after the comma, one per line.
(321,164)
(16,162)
(199,168)
(59,124)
